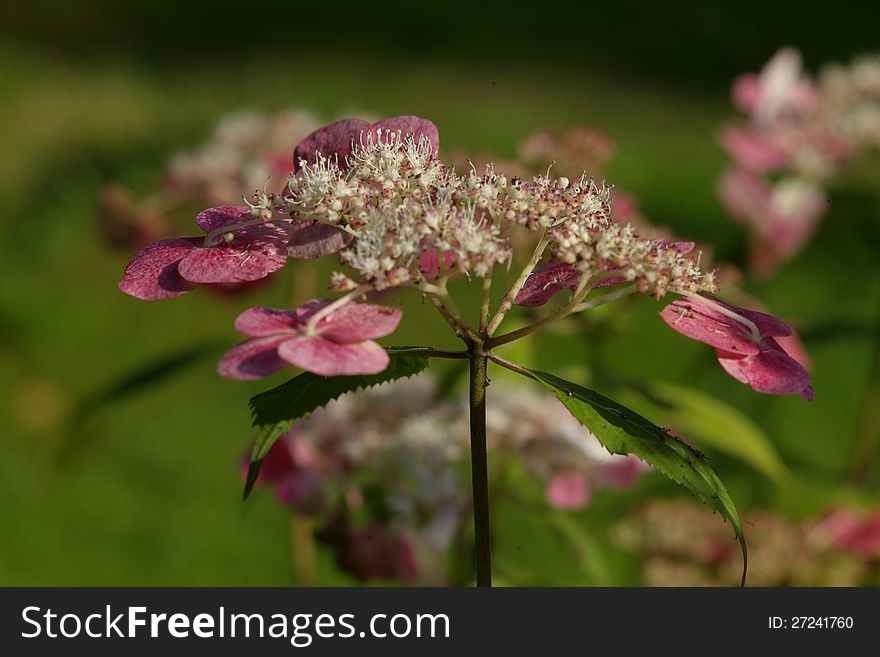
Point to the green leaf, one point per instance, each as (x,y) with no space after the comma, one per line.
(275,410)
(622,431)
(712,423)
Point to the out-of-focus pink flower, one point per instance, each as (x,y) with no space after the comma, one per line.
(291,470)
(754,151)
(572,152)
(339,344)
(846,530)
(622,472)
(781,86)
(781,218)
(171,267)
(755,359)
(337,138)
(568,490)
(379,552)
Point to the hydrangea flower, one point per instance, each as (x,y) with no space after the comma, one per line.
(338,140)
(171,267)
(744,343)
(798,134)
(316,337)
(382,444)
(545,281)
(781,217)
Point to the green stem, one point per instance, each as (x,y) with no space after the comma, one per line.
(868,429)
(480,466)
(303,558)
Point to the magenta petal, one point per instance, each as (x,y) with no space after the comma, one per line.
(746,196)
(337,138)
(412,126)
(261,322)
(746,92)
(608,282)
(153,273)
(568,490)
(771,371)
(279,462)
(353,322)
(543,284)
(429,262)
(252,359)
(768,325)
(225,215)
(311,239)
(622,472)
(753,151)
(699,322)
(321,356)
(334,139)
(230,264)
(682,247)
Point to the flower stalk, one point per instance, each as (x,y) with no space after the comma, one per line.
(480,465)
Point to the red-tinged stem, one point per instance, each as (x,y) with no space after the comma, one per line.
(480,466)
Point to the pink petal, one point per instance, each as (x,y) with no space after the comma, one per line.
(321,356)
(753,151)
(682,247)
(279,462)
(701,323)
(334,139)
(153,272)
(261,322)
(793,346)
(793,217)
(622,472)
(778,85)
(768,325)
(353,322)
(429,262)
(376,551)
(225,215)
(302,491)
(608,282)
(311,239)
(772,371)
(337,138)
(545,281)
(746,197)
(252,359)
(568,490)
(230,264)
(412,126)
(745,92)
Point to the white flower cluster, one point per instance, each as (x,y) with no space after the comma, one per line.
(412,218)
(415,443)
(244,151)
(852,98)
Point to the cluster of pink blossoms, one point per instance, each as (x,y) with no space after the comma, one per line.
(243,152)
(683,544)
(799,134)
(389,490)
(379,196)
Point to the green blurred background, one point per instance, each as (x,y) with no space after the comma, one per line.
(144,489)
